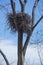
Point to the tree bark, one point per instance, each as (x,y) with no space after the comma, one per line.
(20,58)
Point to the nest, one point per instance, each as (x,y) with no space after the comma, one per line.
(23,22)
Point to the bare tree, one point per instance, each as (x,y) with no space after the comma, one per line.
(7,62)
(23,23)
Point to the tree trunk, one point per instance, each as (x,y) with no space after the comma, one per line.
(20,57)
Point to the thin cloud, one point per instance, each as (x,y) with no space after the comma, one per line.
(6,42)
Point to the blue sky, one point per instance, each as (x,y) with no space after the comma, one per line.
(6,34)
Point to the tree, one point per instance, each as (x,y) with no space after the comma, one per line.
(22,23)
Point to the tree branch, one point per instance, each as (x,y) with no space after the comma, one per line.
(13,6)
(25,1)
(20,2)
(38,22)
(33,10)
(30,33)
(14,12)
(4,57)
(26,43)
(22,6)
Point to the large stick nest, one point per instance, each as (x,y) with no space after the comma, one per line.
(23,22)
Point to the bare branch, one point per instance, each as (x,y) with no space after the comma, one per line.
(26,43)
(38,22)
(4,57)
(33,11)
(25,1)
(14,12)
(22,4)
(13,6)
